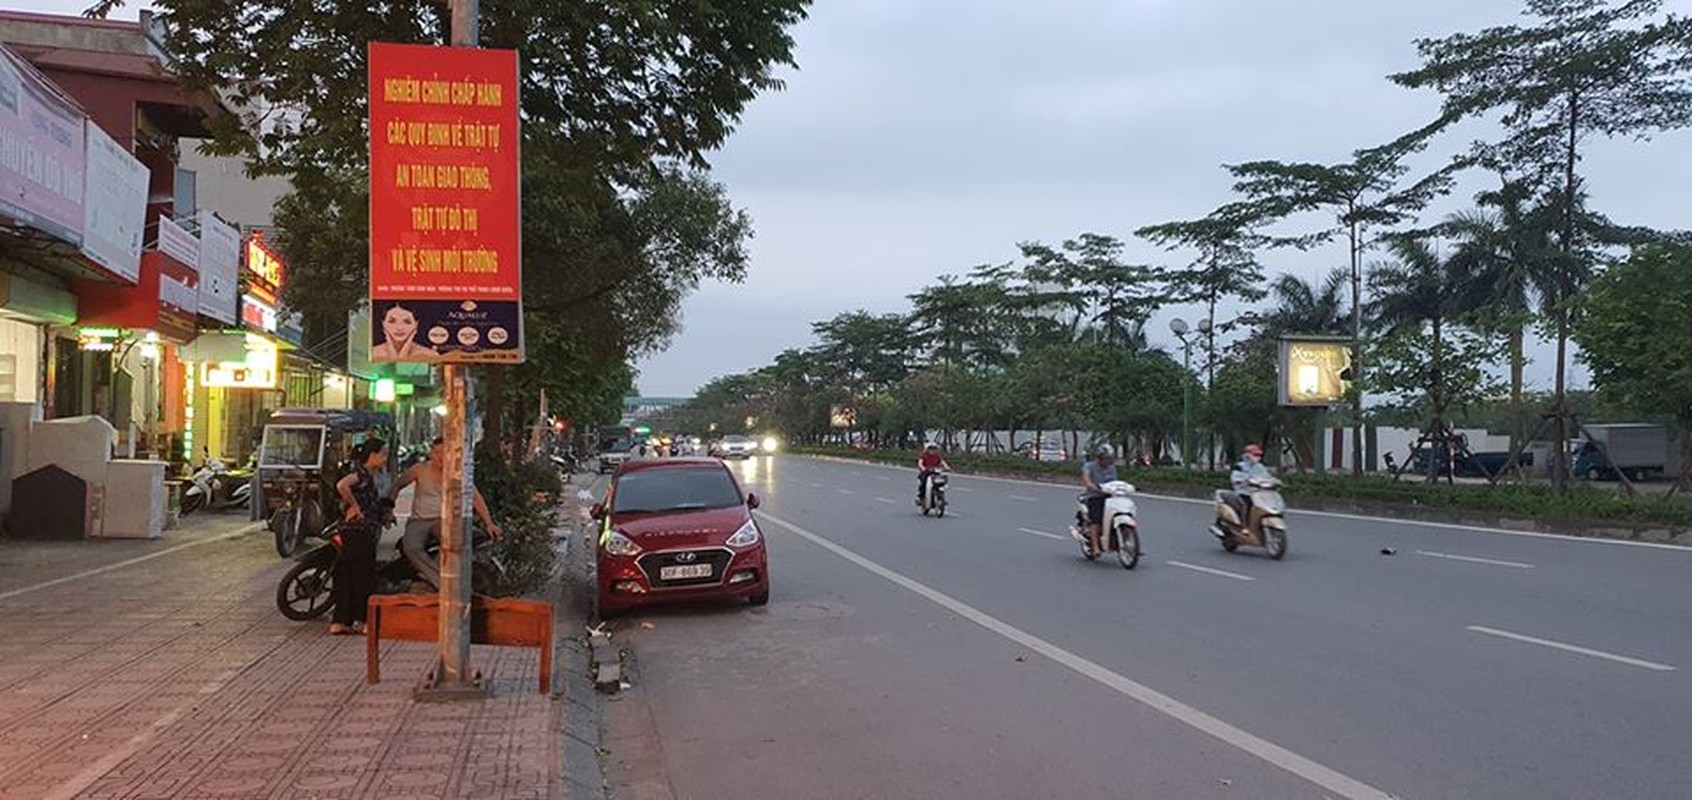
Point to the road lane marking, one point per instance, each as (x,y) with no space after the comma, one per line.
(962,489)
(1024,498)
(885,477)
(816,486)
(1326,777)
(1296,513)
(243,531)
(1474,560)
(1208,571)
(1571,648)
(884,500)
(845,491)
(1041,533)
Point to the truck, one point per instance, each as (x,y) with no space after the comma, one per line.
(1638,450)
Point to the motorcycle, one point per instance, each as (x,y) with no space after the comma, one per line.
(567,463)
(1264,524)
(933,495)
(215,487)
(306,591)
(1121,531)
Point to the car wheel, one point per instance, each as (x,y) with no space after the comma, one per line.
(760,599)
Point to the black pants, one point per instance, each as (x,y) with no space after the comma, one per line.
(355,573)
(1095,510)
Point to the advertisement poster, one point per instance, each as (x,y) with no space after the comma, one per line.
(41,152)
(445,234)
(114,219)
(1311,371)
(220,269)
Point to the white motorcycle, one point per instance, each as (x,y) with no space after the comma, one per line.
(215,488)
(933,496)
(1121,533)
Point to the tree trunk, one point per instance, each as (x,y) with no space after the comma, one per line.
(1559,449)
(1518,364)
(1356,248)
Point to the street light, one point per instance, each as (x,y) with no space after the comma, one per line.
(1179,326)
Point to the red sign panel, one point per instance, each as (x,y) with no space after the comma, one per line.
(166,299)
(264,271)
(445,239)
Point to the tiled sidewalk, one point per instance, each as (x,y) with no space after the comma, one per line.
(175,677)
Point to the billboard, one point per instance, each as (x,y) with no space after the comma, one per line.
(114,219)
(42,151)
(220,269)
(1309,371)
(445,233)
(842,416)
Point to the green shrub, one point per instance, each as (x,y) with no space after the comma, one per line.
(523,498)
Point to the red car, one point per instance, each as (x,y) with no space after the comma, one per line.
(678,529)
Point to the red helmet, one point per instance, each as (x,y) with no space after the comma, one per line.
(1254,450)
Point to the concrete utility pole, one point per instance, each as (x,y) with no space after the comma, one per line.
(458,473)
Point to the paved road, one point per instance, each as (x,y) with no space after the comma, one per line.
(978,656)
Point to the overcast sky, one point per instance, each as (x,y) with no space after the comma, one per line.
(923,137)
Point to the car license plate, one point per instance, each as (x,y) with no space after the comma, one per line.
(684,571)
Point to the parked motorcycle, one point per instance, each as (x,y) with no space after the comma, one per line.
(933,495)
(1263,524)
(306,590)
(215,487)
(1121,532)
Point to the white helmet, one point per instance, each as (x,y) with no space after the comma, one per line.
(931,445)
(1105,451)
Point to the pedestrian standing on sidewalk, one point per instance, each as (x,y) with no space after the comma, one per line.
(355,569)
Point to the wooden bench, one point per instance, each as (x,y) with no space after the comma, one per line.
(495,621)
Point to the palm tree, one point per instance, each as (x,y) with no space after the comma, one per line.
(1413,293)
(1506,263)
(1303,307)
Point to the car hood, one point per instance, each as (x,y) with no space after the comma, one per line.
(702,528)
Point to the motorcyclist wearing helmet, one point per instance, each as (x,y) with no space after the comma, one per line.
(1250,468)
(928,463)
(1094,475)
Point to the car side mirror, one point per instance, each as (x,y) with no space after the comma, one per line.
(597,511)
(751,501)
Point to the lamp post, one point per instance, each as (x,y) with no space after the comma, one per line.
(1179,326)
(1208,328)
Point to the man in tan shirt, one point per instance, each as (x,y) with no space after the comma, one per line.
(424,524)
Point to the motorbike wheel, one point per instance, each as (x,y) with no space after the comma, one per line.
(1230,544)
(1127,545)
(304,593)
(1087,549)
(191,503)
(1275,542)
(940,506)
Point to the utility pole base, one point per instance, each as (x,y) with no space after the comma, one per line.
(431,690)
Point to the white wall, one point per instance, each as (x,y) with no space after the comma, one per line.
(20,356)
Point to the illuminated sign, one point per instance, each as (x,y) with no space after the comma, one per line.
(257,314)
(1310,371)
(264,272)
(257,372)
(383,390)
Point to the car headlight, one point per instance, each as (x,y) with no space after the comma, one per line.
(769,444)
(745,537)
(619,545)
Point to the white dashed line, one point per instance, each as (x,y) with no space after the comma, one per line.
(1473,560)
(1571,648)
(1208,571)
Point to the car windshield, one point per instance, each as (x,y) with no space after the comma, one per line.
(675,489)
(735,440)
(291,446)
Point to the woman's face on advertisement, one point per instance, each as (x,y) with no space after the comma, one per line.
(399,324)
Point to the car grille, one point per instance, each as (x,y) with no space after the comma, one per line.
(653,563)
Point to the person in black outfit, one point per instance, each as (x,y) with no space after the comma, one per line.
(355,569)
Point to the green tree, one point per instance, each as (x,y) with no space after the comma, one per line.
(1585,69)
(1507,260)
(1632,334)
(1305,308)
(1366,199)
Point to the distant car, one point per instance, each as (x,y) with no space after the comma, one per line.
(678,530)
(614,455)
(736,446)
(1047,450)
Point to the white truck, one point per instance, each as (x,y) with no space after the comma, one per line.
(1638,450)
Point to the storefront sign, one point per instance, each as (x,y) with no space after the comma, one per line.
(220,268)
(259,371)
(42,151)
(114,217)
(445,246)
(166,300)
(1310,371)
(176,242)
(264,271)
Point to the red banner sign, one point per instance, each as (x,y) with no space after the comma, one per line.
(445,238)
